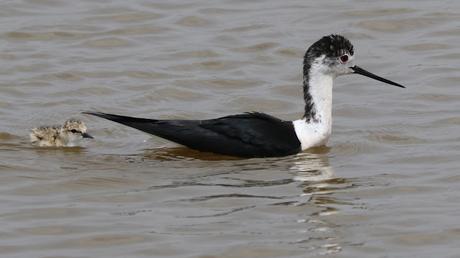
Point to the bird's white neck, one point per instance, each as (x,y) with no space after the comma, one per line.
(315,127)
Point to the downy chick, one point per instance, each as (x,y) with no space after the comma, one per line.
(67,135)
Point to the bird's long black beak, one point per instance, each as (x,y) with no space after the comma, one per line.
(359,70)
(85,135)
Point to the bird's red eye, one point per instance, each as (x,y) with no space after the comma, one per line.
(344,58)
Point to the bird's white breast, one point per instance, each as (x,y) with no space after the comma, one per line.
(311,134)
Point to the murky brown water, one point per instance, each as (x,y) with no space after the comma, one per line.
(387,185)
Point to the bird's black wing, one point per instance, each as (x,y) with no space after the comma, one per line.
(244,135)
(258,133)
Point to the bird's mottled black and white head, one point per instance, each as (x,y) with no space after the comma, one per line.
(331,54)
(327,58)
(331,46)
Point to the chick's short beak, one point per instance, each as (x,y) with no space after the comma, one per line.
(85,135)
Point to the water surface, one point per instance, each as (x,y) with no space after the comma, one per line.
(387,184)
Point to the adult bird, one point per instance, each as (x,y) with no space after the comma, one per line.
(255,134)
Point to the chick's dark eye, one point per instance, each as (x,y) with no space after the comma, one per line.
(73,131)
(344,58)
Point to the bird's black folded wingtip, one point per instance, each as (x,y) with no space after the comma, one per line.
(93,113)
(112,117)
(127,120)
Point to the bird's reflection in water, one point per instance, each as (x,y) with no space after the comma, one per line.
(316,176)
(310,170)
(320,187)
(215,183)
(312,166)
(184,153)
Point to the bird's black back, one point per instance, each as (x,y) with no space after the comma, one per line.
(243,135)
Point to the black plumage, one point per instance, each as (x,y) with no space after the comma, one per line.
(243,135)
